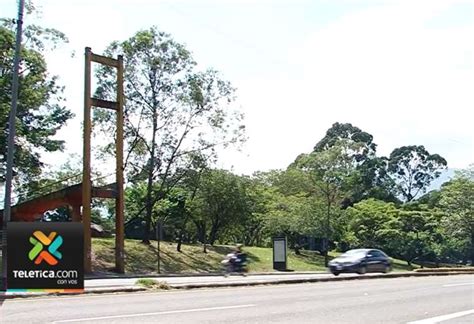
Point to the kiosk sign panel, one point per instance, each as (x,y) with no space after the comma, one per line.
(279,253)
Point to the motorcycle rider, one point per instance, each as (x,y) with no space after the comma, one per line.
(236,261)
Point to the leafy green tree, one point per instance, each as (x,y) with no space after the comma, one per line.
(430,199)
(417,232)
(332,173)
(259,194)
(40,103)
(413,169)
(219,206)
(374,181)
(174,214)
(293,209)
(292,216)
(457,200)
(369,220)
(67,174)
(172,111)
(347,131)
(412,232)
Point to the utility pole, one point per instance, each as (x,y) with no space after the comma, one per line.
(11,140)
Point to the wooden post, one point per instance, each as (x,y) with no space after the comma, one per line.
(86,178)
(119,201)
(76,213)
(86,172)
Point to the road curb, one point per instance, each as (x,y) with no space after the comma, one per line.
(311,280)
(90,291)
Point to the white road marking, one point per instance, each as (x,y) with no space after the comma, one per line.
(155,313)
(441,318)
(459,284)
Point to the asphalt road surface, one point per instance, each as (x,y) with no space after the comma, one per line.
(422,300)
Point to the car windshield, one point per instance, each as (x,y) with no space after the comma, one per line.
(354,254)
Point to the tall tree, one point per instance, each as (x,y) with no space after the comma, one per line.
(221,203)
(171,112)
(346,131)
(414,235)
(369,221)
(332,173)
(457,200)
(40,103)
(413,169)
(373,181)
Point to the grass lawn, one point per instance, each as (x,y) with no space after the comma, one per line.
(142,259)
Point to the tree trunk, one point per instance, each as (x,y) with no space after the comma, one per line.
(149,189)
(201,231)
(297,249)
(213,235)
(180,240)
(328,215)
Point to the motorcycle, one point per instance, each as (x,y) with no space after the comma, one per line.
(235,263)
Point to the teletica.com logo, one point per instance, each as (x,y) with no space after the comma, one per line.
(39,253)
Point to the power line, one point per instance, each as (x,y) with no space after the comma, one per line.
(229,37)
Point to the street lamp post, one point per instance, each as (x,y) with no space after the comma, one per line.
(11,139)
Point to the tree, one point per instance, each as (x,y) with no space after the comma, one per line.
(175,214)
(171,112)
(417,235)
(348,132)
(40,104)
(65,175)
(332,173)
(373,181)
(368,221)
(258,196)
(220,205)
(413,169)
(457,200)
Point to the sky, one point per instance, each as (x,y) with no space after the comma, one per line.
(401,70)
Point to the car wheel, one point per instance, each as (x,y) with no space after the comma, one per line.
(335,273)
(387,268)
(362,270)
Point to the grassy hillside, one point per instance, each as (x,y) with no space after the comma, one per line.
(140,258)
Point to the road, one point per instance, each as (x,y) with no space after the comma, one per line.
(390,300)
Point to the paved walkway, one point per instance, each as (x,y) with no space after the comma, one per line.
(177,281)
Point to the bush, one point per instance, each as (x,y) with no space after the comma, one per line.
(153,284)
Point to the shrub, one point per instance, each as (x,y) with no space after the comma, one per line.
(153,284)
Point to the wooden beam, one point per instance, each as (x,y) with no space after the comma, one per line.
(104,60)
(103,193)
(104,103)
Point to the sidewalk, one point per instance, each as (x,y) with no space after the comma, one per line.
(180,281)
(99,284)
